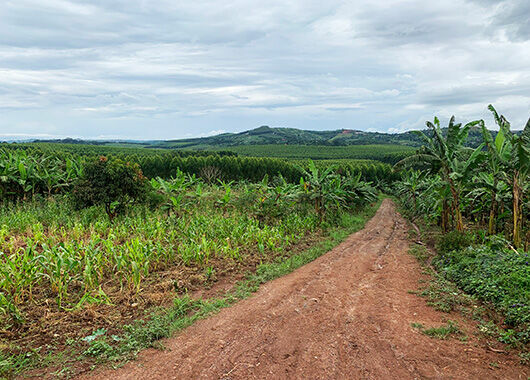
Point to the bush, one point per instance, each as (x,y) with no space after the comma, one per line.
(454,241)
(112,184)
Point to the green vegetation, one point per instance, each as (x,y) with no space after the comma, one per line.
(112,184)
(495,274)
(478,197)
(185,311)
(276,137)
(98,238)
(442,332)
(104,238)
(27,169)
(384,153)
(441,294)
(290,136)
(484,185)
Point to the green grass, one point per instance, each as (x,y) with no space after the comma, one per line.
(445,296)
(441,332)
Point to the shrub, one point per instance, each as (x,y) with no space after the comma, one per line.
(454,241)
(112,184)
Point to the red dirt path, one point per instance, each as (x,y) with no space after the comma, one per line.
(348,314)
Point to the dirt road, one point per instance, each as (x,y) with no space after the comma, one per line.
(348,314)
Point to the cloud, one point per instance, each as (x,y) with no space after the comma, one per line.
(135,69)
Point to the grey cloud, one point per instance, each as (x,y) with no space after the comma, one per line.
(515,16)
(115,67)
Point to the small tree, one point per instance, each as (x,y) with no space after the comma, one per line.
(112,184)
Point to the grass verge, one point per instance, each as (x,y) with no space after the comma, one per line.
(481,279)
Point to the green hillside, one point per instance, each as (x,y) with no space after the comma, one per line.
(266,135)
(279,136)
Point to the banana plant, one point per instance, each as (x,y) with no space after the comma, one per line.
(409,187)
(173,190)
(446,155)
(513,153)
(488,192)
(321,187)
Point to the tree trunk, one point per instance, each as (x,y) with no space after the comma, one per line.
(517,211)
(457,214)
(493,214)
(445,216)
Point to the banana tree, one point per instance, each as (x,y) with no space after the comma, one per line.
(487,196)
(173,191)
(514,156)
(357,192)
(409,187)
(447,156)
(322,187)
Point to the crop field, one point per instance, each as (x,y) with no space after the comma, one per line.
(88,242)
(384,153)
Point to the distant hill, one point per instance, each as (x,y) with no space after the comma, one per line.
(290,136)
(265,135)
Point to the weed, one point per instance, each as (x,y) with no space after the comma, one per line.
(442,332)
(445,296)
(420,253)
(454,241)
(525,357)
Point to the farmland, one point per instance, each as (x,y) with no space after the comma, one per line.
(84,235)
(97,239)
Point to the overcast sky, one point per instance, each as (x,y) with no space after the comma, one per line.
(144,69)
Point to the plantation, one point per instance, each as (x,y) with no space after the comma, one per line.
(51,168)
(383,153)
(478,198)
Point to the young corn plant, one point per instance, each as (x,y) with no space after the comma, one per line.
(60,266)
(224,201)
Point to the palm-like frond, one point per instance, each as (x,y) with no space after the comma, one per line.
(410,161)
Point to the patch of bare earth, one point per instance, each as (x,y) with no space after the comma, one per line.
(348,314)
